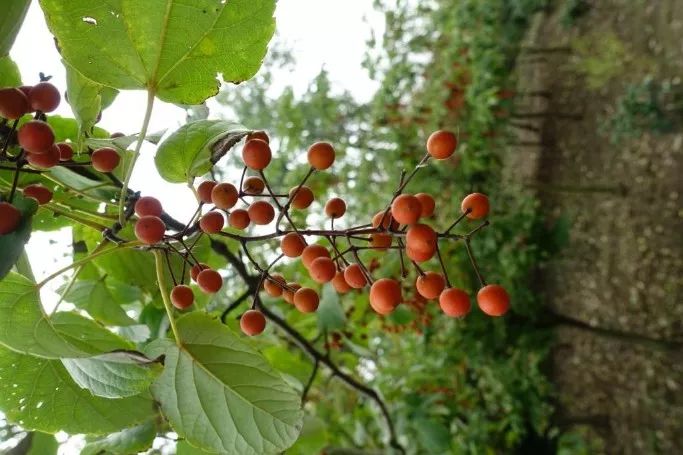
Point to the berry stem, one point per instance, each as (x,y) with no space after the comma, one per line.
(129,172)
(473,261)
(443,266)
(460,218)
(161,281)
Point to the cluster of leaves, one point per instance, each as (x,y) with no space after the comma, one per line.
(655,106)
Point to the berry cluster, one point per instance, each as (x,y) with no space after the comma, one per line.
(401,227)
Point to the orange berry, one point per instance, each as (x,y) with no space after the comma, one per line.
(182,296)
(441,144)
(385,295)
(274,284)
(354,276)
(421,238)
(419,256)
(204,191)
(380,241)
(454,302)
(292,245)
(339,283)
(306,300)
(493,300)
(288,294)
(252,322)
(105,159)
(388,220)
(209,281)
(45,160)
(13,103)
(148,206)
(430,285)
(322,269)
(194,271)
(256,154)
(44,97)
(224,196)
(335,208)
(10,217)
(406,209)
(212,222)
(261,212)
(239,219)
(427,203)
(36,136)
(253,185)
(311,252)
(39,193)
(150,229)
(303,199)
(65,151)
(477,204)
(258,135)
(321,155)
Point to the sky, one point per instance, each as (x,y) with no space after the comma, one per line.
(304,26)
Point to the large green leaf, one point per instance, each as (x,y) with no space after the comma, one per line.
(9,73)
(174,48)
(188,152)
(221,395)
(12,244)
(115,375)
(95,298)
(39,394)
(87,98)
(42,444)
(330,313)
(24,327)
(131,440)
(13,13)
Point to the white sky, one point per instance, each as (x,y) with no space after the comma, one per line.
(303,25)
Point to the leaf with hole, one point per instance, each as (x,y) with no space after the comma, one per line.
(169,47)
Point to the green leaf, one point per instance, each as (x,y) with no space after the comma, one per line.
(13,13)
(9,72)
(220,394)
(12,244)
(131,440)
(184,448)
(123,142)
(39,394)
(87,335)
(169,47)
(24,327)
(433,435)
(67,128)
(42,444)
(87,99)
(95,298)
(114,375)
(188,153)
(313,437)
(330,312)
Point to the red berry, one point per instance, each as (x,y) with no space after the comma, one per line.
(39,193)
(303,199)
(321,155)
(212,222)
(335,208)
(311,252)
(204,191)
(252,322)
(441,144)
(36,136)
(477,204)
(10,217)
(306,300)
(224,196)
(258,135)
(428,204)
(419,256)
(261,212)
(239,219)
(454,302)
(194,271)
(150,230)
(253,185)
(292,245)
(66,152)
(44,97)
(44,160)
(256,154)
(385,295)
(13,103)
(339,283)
(105,159)
(421,238)
(406,209)
(182,296)
(209,281)
(353,274)
(148,206)
(274,284)
(386,220)
(430,285)
(322,269)
(493,300)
